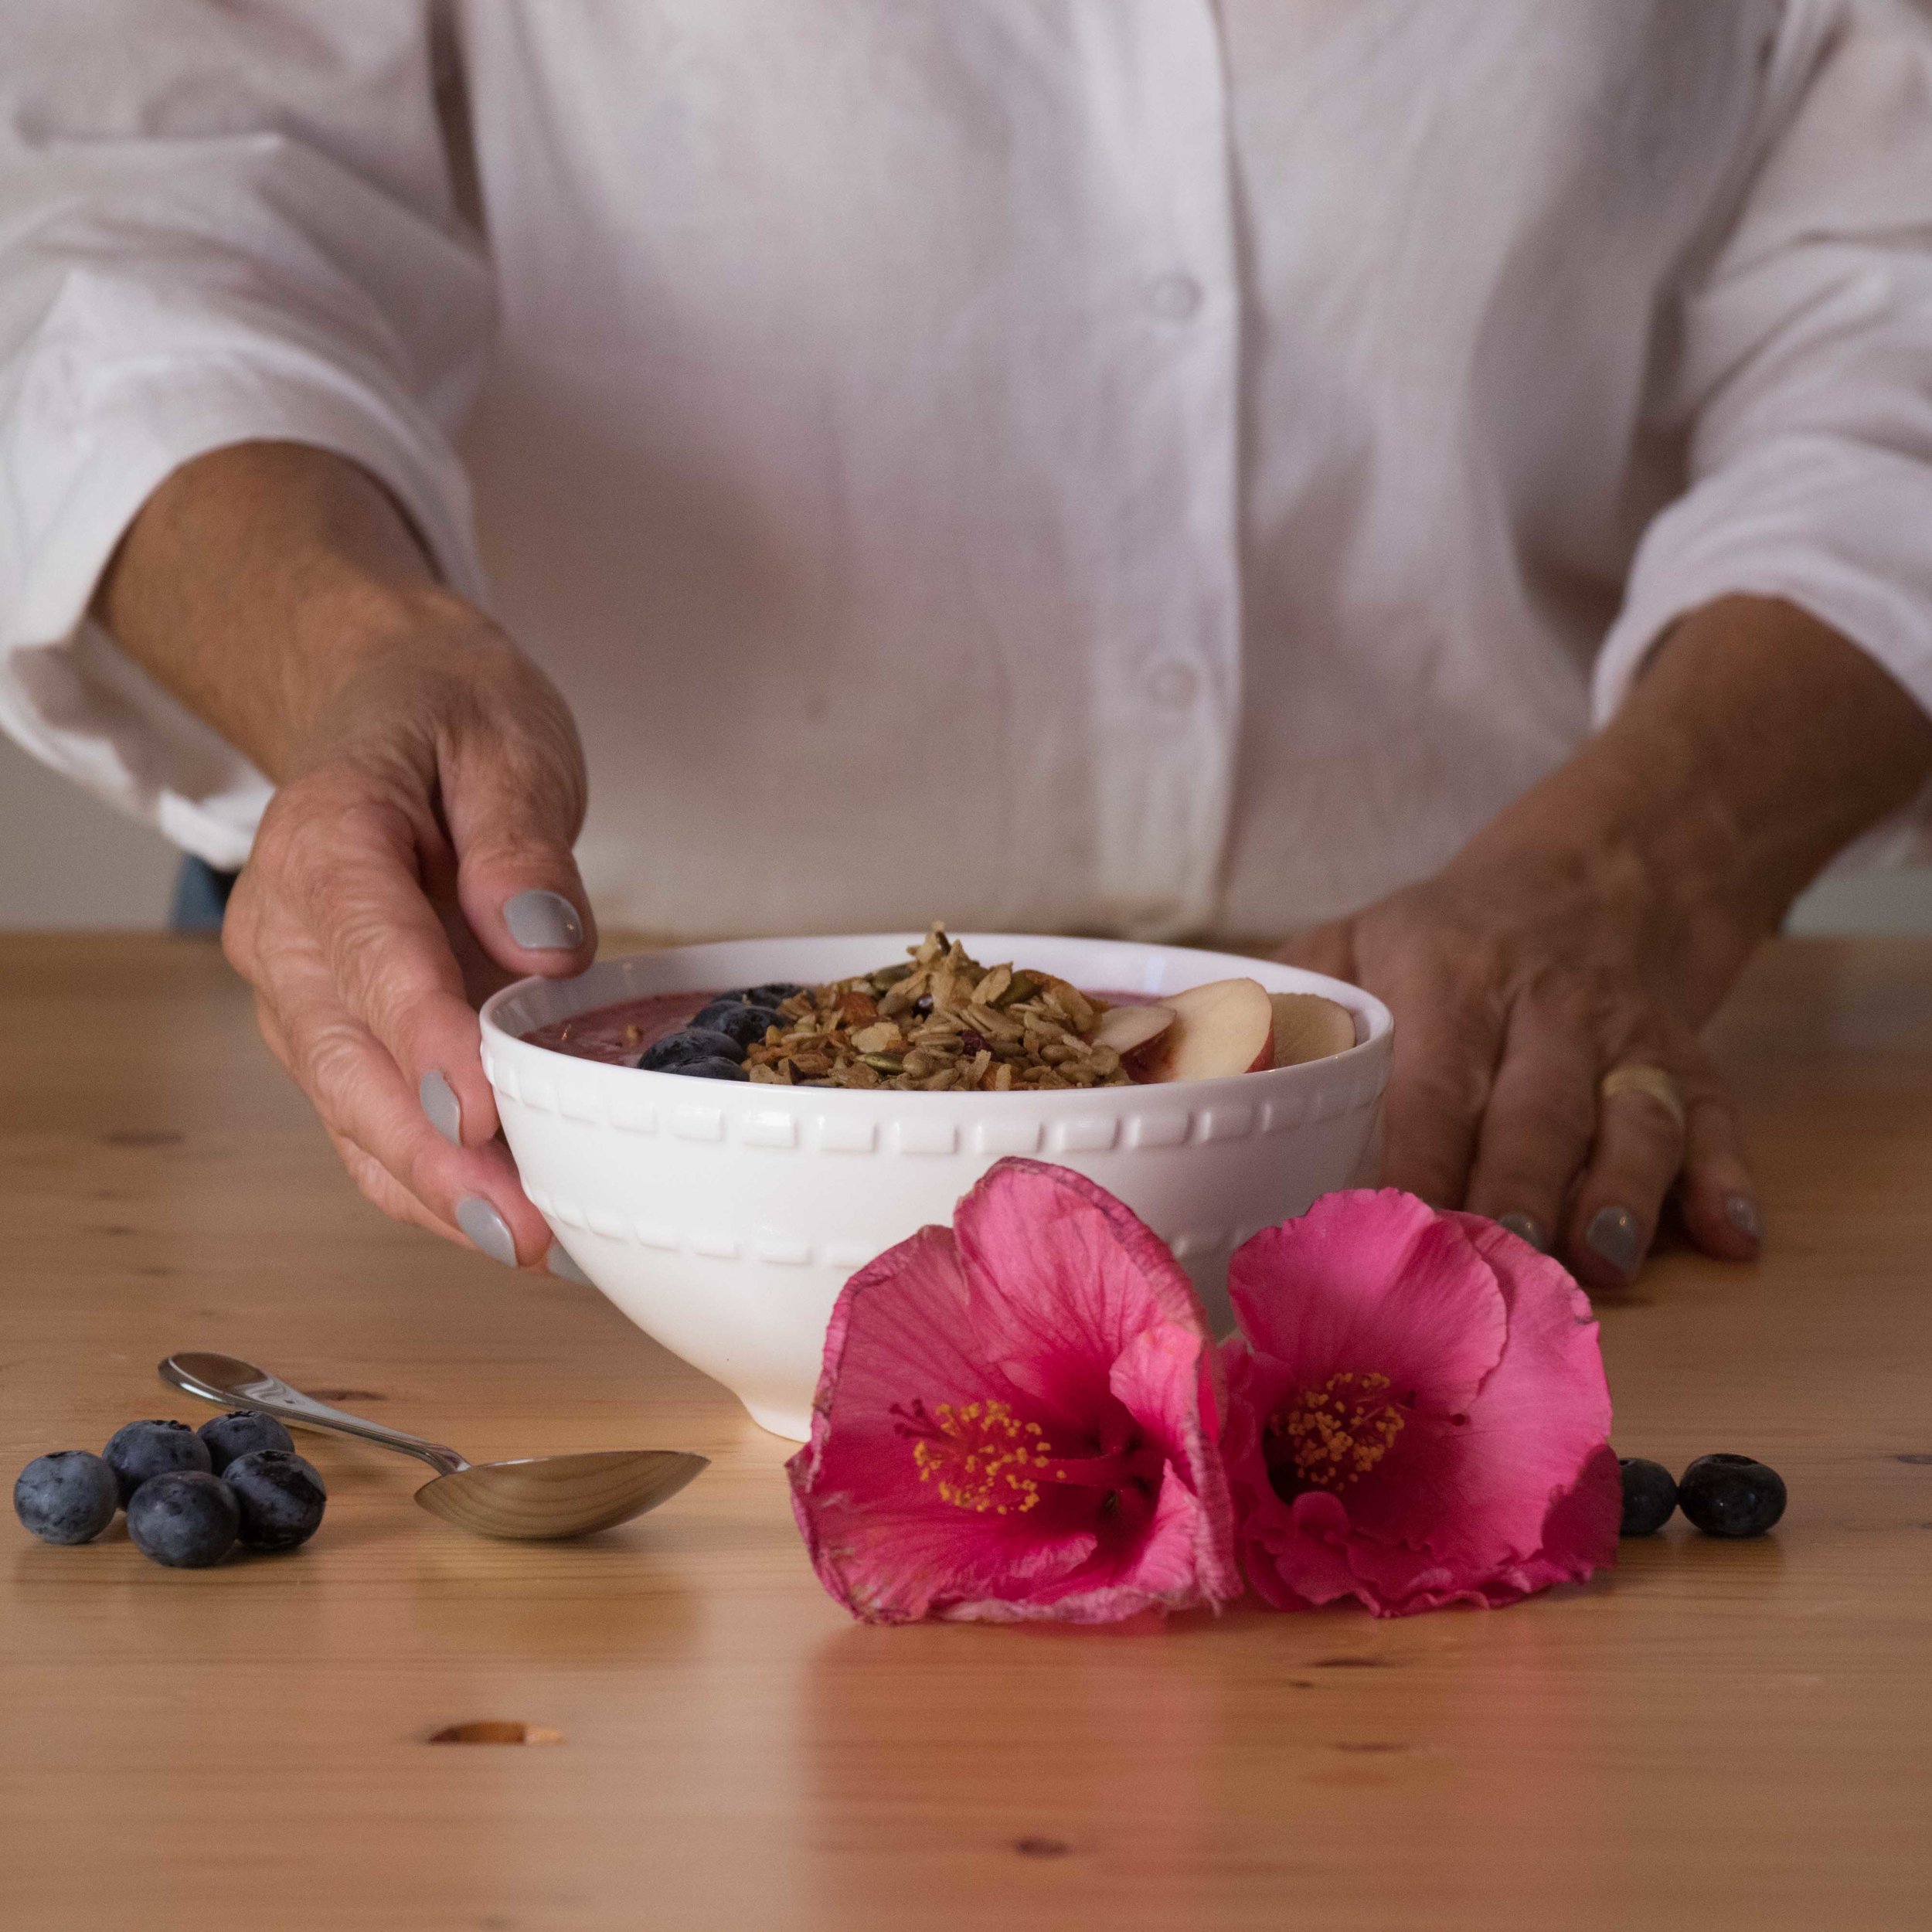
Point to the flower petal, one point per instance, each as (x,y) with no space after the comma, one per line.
(885,1544)
(1375,1282)
(1541,1413)
(1065,1276)
(1166,1379)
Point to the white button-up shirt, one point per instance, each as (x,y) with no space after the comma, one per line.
(1140,465)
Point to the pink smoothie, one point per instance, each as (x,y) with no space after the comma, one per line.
(617,1034)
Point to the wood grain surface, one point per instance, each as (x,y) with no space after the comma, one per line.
(1723,1735)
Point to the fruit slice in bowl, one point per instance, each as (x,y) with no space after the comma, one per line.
(1308,1027)
(1226,1026)
(1229,1026)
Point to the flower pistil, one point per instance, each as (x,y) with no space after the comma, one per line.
(980,1454)
(1329,1437)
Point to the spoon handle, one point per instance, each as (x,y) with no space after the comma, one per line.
(233,1384)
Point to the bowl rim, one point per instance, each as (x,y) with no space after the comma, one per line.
(1374,1043)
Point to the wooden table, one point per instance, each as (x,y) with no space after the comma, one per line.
(1725,1736)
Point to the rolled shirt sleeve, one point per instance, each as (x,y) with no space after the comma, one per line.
(1802,370)
(216,226)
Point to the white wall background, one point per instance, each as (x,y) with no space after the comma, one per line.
(67,861)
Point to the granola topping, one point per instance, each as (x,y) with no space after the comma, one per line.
(939,1022)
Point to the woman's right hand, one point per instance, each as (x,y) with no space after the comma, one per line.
(416,855)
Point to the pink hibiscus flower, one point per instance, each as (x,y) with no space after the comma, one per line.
(1418,1416)
(1017,1418)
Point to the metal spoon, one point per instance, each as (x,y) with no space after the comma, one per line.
(538,1497)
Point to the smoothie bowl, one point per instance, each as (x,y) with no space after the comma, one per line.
(722,1215)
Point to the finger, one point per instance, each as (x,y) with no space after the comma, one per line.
(374,1180)
(382,1188)
(1537,1129)
(271,1029)
(1446,1054)
(350,866)
(513,808)
(1635,1158)
(362,1097)
(1715,1193)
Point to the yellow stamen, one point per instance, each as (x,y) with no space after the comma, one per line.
(1337,1433)
(983,1457)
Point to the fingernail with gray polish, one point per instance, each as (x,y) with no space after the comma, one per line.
(1613,1234)
(440,1103)
(1525,1227)
(561,1264)
(1741,1211)
(487,1229)
(546,922)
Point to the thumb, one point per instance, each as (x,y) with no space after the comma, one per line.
(513,806)
(1327,949)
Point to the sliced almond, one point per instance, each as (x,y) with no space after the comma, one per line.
(1128,1029)
(1307,1027)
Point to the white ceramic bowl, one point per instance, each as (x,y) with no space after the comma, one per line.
(723,1218)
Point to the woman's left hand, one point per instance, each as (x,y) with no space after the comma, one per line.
(1548,984)
(1518,984)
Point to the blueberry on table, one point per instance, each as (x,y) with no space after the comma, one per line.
(187,1519)
(238,1432)
(141,1450)
(676,1051)
(69,1497)
(1650,1494)
(746,1024)
(281,1498)
(1731,1495)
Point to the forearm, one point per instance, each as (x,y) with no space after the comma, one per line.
(1758,744)
(259,579)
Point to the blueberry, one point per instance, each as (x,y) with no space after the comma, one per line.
(280,1496)
(715,1068)
(142,1450)
(240,1431)
(1650,1494)
(1731,1495)
(773,993)
(186,1519)
(746,1024)
(676,1051)
(69,1497)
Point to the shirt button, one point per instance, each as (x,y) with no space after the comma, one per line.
(1175,297)
(1172,685)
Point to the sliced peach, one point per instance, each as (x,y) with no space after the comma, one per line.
(1128,1029)
(1307,1027)
(1225,1027)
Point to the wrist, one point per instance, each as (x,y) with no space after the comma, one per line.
(261,578)
(357,649)
(1757,743)
(1635,835)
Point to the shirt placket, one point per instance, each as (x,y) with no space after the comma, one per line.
(1167,662)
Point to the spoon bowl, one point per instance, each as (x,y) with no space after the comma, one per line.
(543,1497)
(538,1499)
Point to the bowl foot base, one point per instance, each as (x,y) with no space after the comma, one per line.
(794,1424)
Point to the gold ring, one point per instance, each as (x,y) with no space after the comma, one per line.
(1662,1087)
